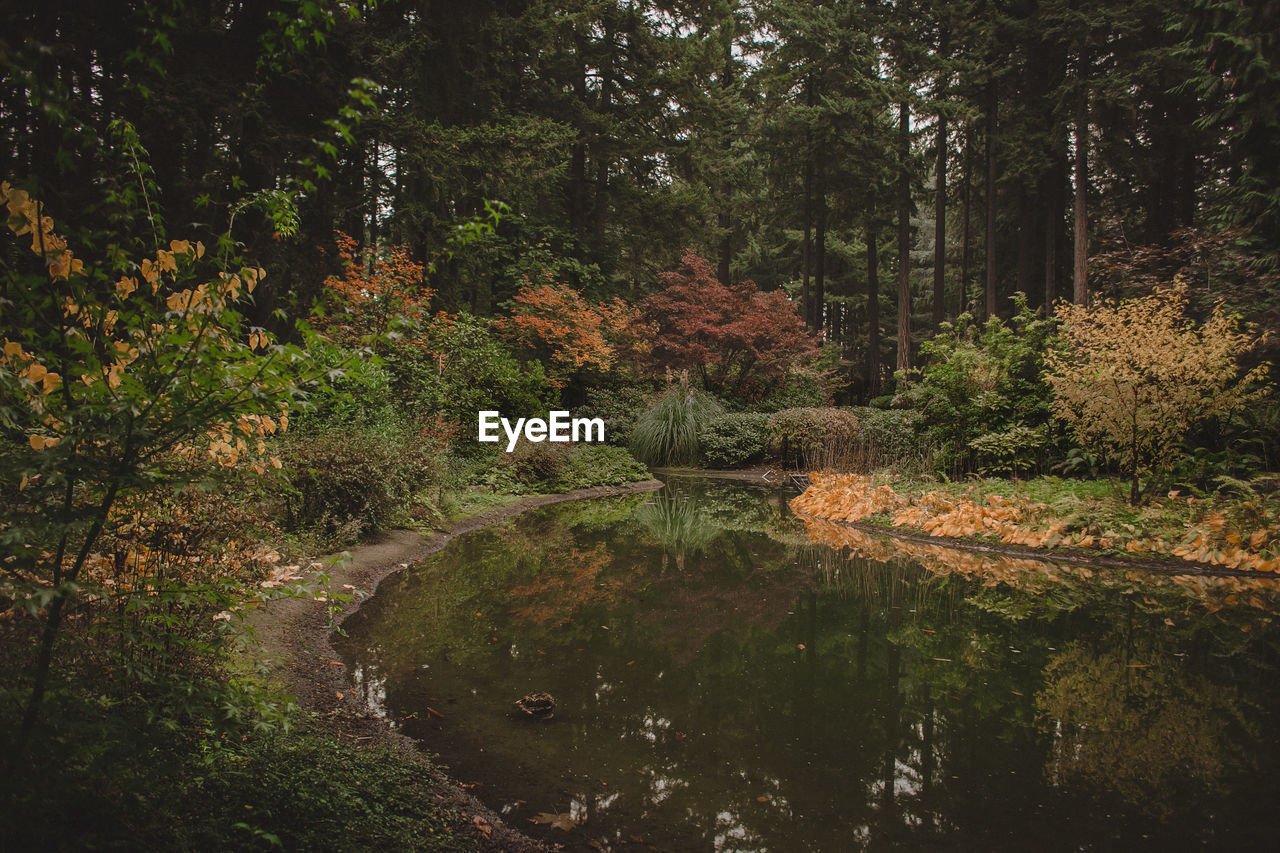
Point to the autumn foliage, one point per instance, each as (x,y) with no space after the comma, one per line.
(1134,376)
(1213,539)
(119,378)
(739,340)
(570,334)
(376,287)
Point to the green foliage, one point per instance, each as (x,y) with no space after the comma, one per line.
(356,394)
(202,788)
(619,406)
(461,369)
(814,438)
(1013,451)
(345,482)
(735,439)
(598,465)
(979,380)
(890,437)
(668,432)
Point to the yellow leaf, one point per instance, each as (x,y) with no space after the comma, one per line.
(36,372)
(36,442)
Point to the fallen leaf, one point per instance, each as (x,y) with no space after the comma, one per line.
(762,799)
(482,825)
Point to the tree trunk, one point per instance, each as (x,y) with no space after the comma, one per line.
(966,232)
(1054,200)
(904,238)
(940,225)
(806,255)
(820,251)
(940,197)
(1081,249)
(873,311)
(992,106)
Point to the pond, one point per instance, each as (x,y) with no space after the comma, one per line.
(730,677)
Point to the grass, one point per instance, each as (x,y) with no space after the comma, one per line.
(667,433)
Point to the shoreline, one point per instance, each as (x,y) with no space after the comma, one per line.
(291,637)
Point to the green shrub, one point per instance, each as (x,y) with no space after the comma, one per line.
(356,395)
(735,439)
(618,407)
(344,483)
(1012,451)
(814,438)
(464,369)
(667,433)
(890,437)
(598,465)
(978,380)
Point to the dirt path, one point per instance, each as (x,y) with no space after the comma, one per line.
(292,635)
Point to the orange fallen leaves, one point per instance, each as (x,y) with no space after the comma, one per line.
(854,497)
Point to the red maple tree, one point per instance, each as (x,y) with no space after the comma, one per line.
(741,341)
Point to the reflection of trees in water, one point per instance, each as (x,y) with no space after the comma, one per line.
(902,698)
(1133,720)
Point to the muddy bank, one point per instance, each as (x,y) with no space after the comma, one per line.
(291,637)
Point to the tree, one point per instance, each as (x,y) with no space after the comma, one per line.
(377,286)
(113,383)
(569,333)
(738,339)
(1132,377)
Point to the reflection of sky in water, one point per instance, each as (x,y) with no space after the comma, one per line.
(729,678)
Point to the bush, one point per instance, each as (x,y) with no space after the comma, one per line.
(357,394)
(891,437)
(735,439)
(814,438)
(1008,452)
(461,369)
(532,463)
(978,380)
(618,407)
(345,483)
(598,465)
(667,433)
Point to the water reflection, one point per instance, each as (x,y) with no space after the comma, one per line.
(731,678)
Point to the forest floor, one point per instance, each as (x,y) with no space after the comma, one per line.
(291,639)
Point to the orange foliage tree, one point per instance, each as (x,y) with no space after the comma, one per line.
(377,287)
(571,334)
(1132,377)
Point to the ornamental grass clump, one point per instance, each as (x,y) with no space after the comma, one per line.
(667,433)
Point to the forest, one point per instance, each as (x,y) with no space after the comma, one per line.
(1003,272)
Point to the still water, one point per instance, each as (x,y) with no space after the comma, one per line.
(731,677)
